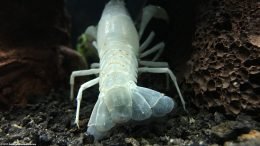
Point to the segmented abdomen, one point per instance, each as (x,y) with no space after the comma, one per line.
(118,68)
(118,47)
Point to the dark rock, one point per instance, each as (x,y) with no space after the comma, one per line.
(224,65)
(44,139)
(230,130)
(33,56)
(88,139)
(219,117)
(250,139)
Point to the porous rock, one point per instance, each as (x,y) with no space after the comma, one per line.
(225,65)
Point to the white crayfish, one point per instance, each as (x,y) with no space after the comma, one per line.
(120,99)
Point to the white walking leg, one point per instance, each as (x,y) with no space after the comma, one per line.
(148,13)
(77,74)
(158,47)
(147,42)
(153,64)
(79,97)
(94,43)
(168,71)
(94,65)
(92,31)
(157,64)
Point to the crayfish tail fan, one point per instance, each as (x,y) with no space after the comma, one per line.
(158,103)
(100,121)
(141,108)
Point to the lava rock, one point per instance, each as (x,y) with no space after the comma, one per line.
(225,65)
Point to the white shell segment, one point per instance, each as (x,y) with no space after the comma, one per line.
(100,117)
(160,104)
(119,103)
(115,26)
(141,109)
(103,119)
(97,134)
